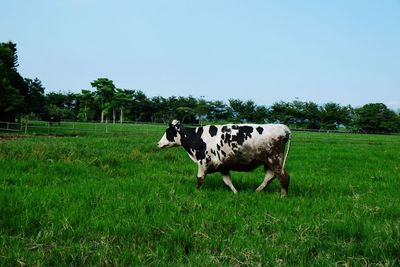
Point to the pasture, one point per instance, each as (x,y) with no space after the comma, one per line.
(116,199)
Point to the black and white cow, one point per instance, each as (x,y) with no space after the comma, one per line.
(234,147)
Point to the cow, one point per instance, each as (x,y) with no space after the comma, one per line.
(234,147)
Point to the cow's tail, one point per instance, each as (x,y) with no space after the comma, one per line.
(287,152)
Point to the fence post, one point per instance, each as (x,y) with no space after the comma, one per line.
(48,127)
(8,125)
(106,126)
(26,125)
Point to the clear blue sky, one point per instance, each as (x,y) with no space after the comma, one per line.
(346,51)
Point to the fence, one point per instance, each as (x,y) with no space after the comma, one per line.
(44,127)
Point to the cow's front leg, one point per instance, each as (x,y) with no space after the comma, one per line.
(201,174)
(228,181)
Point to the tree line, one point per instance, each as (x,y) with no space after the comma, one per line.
(26,98)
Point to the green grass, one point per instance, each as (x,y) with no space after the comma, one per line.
(115,199)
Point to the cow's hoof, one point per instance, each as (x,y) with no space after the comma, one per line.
(200,182)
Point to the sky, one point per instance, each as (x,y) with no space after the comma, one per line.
(343,51)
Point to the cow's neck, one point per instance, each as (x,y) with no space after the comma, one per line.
(192,141)
(186,135)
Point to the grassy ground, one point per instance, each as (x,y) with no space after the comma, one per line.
(115,199)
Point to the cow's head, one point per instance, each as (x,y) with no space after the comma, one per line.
(172,136)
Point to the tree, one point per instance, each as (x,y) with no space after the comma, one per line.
(243,111)
(332,115)
(160,108)
(121,100)
(184,112)
(202,110)
(105,92)
(297,113)
(35,99)
(312,115)
(141,109)
(280,112)
(86,100)
(219,111)
(187,107)
(13,87)
(376,118)
(59,106)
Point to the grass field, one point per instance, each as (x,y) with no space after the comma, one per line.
(115,199)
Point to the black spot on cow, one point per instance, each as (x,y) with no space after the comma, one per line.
(208,159)
(213,130)
(218,147)
(228,139)
(194,142)
(171,133)
(213,152)
(223,153)
(260,129)
(243,134)
(225,129)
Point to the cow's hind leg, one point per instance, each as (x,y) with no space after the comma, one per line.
(228,181)
(269,177)
(284,179)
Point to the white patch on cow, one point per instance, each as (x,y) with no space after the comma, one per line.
(191,155)
(164,142)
